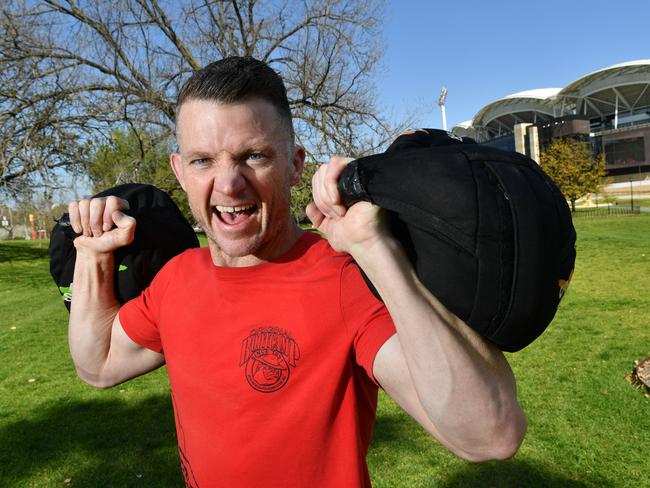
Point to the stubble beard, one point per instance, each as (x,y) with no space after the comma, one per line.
(250,245)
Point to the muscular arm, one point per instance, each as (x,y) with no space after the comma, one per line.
(438,366)
(456,385)
(101,351)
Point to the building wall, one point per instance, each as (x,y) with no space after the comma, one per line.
(505,143)
(627,151)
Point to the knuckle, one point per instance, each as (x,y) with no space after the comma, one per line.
(97,202)
(116,202)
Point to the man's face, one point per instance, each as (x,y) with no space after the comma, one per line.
(237,164)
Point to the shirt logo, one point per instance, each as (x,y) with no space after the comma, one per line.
(268,353)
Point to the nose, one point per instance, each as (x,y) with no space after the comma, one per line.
(229,181)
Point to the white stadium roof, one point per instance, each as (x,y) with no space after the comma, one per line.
(526,106)
(624,87)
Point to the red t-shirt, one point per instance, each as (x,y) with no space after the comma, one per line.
(270,366)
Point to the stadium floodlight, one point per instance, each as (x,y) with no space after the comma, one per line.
(441,104)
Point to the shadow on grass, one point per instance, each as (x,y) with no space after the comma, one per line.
(19,251)
(518,474)
(94,443)
(395,428)
(399,430)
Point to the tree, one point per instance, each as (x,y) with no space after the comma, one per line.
(136,156)
(72,71)
(38,135)
(573,168)
(301,193)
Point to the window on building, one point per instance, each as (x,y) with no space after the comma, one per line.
(625,152)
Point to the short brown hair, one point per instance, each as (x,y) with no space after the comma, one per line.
(237,79)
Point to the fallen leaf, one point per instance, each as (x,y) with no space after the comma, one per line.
(31,380)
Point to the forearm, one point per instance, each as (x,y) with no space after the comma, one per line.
(464,383)
(93,310)
(458,386)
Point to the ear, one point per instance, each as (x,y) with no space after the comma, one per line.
(177,167)
(297,163)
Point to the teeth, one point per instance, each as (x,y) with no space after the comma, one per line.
(232,209)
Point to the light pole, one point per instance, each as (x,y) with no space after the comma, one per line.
(441,104)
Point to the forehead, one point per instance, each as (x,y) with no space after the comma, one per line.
(208,126)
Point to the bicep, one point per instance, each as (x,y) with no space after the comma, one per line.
(128,359)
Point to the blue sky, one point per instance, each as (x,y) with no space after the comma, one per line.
(485,50)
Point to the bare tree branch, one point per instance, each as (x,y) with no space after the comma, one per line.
(74,71)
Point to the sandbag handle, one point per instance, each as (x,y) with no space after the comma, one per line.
(352,187)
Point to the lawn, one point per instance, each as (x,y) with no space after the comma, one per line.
(587,426)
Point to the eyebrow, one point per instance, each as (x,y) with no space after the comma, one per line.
(253,146)
(195,155)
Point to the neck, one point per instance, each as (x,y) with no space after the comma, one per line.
(285,240)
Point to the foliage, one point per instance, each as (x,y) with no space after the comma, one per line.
(570,381)
(71,72)
(136,156)
(572,167)
(301,193)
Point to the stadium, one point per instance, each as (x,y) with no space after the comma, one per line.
(610,108)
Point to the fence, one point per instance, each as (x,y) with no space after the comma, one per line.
(605,211)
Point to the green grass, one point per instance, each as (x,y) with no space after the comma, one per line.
(587,426)
(55,427)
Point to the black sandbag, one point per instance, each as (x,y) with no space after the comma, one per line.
(161,232)
(487,231)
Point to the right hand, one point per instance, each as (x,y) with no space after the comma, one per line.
(102,224)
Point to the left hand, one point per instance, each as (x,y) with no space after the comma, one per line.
(353,230)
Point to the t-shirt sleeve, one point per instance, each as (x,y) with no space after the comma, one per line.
(140,316)
(365,316)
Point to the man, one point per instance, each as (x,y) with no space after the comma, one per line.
(273,343)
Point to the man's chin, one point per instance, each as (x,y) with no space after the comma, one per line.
(228,249)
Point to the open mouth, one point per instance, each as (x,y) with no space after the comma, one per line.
(234,215)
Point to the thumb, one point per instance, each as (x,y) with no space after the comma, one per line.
(122,220)
(125,225)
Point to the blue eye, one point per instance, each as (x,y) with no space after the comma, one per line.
(199,162)
(255,156)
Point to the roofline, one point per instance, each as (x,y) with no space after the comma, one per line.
(614,67)
(535,99)
(542,100)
